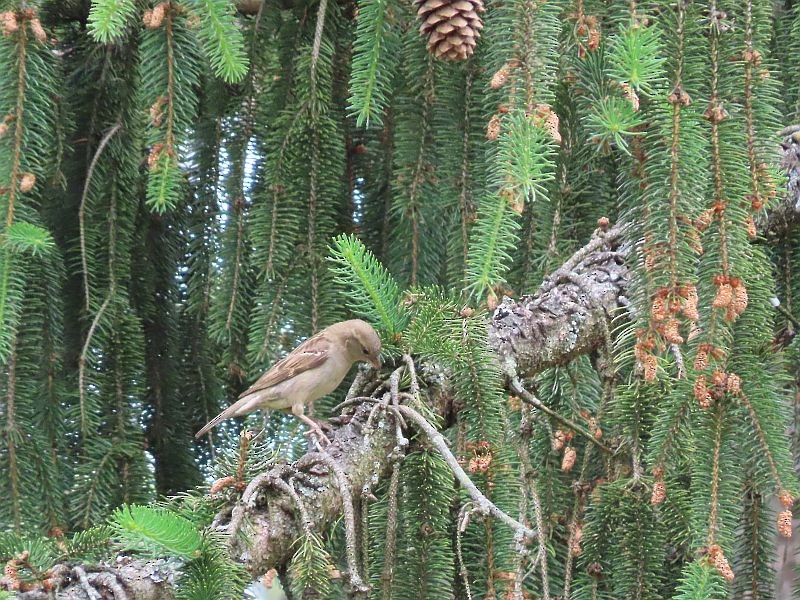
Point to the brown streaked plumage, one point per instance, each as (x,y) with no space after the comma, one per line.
(309,372)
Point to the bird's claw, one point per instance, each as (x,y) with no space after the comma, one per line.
(318,435)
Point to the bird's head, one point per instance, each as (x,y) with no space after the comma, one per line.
(363,342)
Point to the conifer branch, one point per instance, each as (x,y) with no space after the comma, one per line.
(19,125)
(529,398)
(528,333)
(485,506)
(318,29)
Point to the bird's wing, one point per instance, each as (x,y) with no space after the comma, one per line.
(309,355)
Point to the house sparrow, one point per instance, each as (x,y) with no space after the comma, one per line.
(312,370)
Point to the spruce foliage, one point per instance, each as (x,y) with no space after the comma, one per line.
(190,188)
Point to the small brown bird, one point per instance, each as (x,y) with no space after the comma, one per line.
(309,372)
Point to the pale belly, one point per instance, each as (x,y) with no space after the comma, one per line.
(306,387)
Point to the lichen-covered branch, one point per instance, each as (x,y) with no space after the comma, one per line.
(569,314)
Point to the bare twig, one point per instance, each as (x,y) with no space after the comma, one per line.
(391,534)
(323,5)
(349,513)
(485,505)
(529,398)
(84,357)
(82,208)
(354,401)
(463,522)
(399,424)
(412,372)
(542,554)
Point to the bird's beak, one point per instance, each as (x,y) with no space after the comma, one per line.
(376,362)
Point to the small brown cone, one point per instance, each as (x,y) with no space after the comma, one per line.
(701,358)
(559,439)
(26,182)
(154,18)
(785,523)
(569,459)
(740,299)
(451,26)
(38,31)
(493,128)
(701,393)
(650,367)
(9,22)
(720,562)
(221,484)
(704,220)
(752,232)
(724,296)
(499,78)
(659,493)
(672,331)
(718,378)
(733,384)
(552,123)
(658,310)
(575,543)
(594,428)
(690,303)
(786,499)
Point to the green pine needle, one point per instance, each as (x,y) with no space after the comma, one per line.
(372,291)
(107,19)
(310,568)
(222,39)
(637,58)
(374,62)
(23,237)
(156,532)
(701,582)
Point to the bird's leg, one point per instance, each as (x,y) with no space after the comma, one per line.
(299,412)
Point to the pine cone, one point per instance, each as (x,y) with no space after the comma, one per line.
(568,460)
(659,493)
(785,523)
(451,26)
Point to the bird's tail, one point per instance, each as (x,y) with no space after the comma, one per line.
(231,411)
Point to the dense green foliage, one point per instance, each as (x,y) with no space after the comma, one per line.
(187,191)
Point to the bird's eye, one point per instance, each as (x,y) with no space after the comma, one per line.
(364,350)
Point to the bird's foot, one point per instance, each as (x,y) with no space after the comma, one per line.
(315,429)
(318,435)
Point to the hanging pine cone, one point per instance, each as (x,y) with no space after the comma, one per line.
(718,559)
(451,26)
(568,460)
